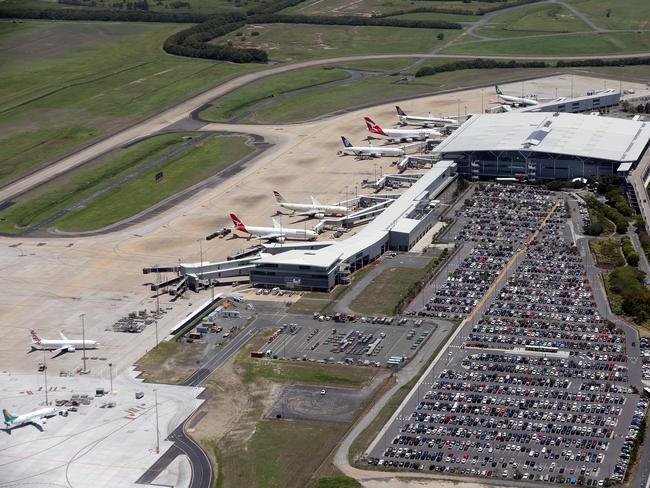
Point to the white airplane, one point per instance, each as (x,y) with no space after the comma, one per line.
(315,209)
(401,135)
(371,151)
(36,417)
(275,233)
(515,101)
(64,344)
(423,121)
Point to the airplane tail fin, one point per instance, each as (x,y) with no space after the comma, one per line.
(499,92)
(276,224)
(346,143)
(314,201)
(400,111)
(237,223)
(8,418)
(35,338)
(372,127)
(279,198)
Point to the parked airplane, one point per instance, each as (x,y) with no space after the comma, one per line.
(275,233)
(515,101)
(36,417)
(315,209)
(371,151)
(423,121)
(402,135)
(64,344)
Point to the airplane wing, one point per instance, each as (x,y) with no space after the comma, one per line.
(61,349)
(63,338)
(272,236)
(38,422)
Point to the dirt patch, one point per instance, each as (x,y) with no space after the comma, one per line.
(301,402)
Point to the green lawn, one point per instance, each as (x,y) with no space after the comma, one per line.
(196,6)
(304,372)
(385,291)
(65,84)
(624,14)
(290,42)
(607,252)
(435,16)
(369,7)
(381,89)
(263,91)
(556,45)
(337,482)
(43,202)
(199,163)
(536,19)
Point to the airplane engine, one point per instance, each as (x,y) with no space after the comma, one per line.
(71,349)
(281,239)
(319,215)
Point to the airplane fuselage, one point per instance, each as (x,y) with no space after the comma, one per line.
(425,121)
(518,101)
(314,209)
(31,417)
(375,152)
(50,345)
(273,233)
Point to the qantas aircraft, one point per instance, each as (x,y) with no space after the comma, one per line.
(315,209)
(423,121)
(402,135)
(36,417)
(515,101)
(371,151)
(275,233)
(65,344)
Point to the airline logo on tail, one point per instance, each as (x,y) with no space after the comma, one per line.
(8,418)
(372,127)
(346,143)
(35,339)
(279,198)
(238,223)
(400,111)
(499,92)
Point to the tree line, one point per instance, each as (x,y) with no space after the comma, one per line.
(456,10)
(477,64)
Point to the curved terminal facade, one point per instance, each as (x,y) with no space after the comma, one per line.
(544,145)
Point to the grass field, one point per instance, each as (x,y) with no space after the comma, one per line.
(43,202)
(169,363)
(304,372)
(199,163)
(369,7)
(385,291)
(433,16)
(536,19)
(337,482)
(624,14)
(240,101)
(381,89)
(607,252)
(562,44)
(196,6)
(67,83)
(293,42)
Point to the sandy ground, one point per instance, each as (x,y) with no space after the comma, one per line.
(48,283)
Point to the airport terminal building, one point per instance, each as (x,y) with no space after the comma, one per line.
(542,145)
(398,227)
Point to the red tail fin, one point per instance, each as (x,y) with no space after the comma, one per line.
(237,223)
(372,127)
(35,338)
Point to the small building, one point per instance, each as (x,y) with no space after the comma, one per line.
(221,312)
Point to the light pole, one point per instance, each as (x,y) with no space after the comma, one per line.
(155,392)
(201,254)
(83,341)
(45,376)
(156,325)
(110,372)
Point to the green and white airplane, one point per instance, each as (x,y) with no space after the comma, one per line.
(515,101)
(36,418)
